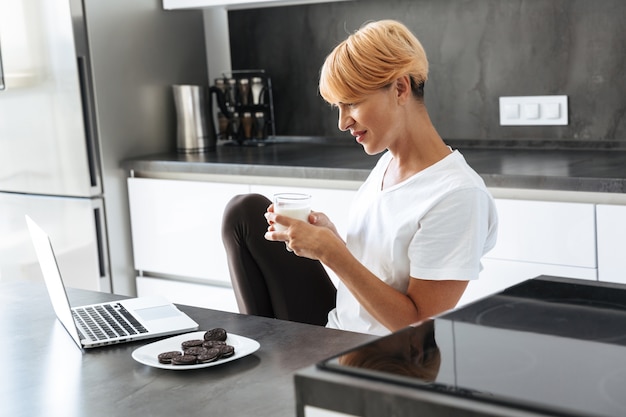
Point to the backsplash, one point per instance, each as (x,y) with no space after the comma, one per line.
(478,51)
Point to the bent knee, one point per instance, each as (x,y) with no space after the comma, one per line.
(243,205)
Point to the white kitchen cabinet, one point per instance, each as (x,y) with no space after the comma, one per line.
(499,274)
(189,293)
(558,233)
(537,238)
(176,234)
(611,224)
(176,229)
(176,226)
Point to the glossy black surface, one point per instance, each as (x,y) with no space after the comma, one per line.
(553,346)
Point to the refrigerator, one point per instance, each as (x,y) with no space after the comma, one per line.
(85,84)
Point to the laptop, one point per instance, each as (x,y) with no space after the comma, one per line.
(105,323)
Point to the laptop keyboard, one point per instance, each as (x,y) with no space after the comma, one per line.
(106,321)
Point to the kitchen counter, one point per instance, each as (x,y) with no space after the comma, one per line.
(44,371)
(536,168)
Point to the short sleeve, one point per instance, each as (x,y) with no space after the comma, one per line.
(453,236)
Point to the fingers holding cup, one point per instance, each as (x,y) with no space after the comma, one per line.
(293,205)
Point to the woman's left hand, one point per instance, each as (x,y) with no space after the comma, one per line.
(310,240)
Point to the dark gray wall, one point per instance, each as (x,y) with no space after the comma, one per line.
(478,50)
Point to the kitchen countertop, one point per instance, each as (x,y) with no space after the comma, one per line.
(45,373)
(569,169)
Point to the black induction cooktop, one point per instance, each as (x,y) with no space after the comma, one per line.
(550,345)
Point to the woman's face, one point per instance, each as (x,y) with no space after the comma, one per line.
(372,120)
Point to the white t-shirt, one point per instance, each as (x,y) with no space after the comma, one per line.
(435,225)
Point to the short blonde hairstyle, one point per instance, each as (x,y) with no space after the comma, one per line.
(372,58)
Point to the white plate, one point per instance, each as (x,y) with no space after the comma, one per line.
(148,354)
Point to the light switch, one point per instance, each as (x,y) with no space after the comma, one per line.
(551,110)
(511,111)
(533,110)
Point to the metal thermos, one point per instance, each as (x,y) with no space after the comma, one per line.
(194,110)
(193,134)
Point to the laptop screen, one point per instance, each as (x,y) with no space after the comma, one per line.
(52,278)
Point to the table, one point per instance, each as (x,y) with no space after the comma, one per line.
(46,374)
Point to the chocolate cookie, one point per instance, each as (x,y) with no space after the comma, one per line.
(215,334)
(211,347)
(195,350)
(211,355)
(190,343)
(166,357)
(184,360)
(226,351)
(213,343)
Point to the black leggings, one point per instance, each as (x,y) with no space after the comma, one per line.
(269,280)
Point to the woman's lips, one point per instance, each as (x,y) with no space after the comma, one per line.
(359,135)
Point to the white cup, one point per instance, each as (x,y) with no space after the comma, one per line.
(294,205)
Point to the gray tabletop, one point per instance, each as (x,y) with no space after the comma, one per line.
(518,167)
(44,372)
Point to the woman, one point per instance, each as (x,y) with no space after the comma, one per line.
(419,224)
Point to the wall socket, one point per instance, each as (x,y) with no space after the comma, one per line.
(533,110)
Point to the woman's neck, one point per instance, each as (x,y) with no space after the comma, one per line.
(420,148)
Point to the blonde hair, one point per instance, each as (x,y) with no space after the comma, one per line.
(372,58)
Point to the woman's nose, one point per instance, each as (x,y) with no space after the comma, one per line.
(345,120)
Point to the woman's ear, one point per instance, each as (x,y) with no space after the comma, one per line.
(403,87)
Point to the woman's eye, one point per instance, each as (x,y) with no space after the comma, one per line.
(344,106)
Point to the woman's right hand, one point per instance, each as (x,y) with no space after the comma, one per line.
(317,218)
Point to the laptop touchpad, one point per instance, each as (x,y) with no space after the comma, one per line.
(158,313)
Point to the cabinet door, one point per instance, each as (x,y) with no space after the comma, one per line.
(537,238)
(546,232)
(189,293)
(611,224)
(176,226)
(499,274)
